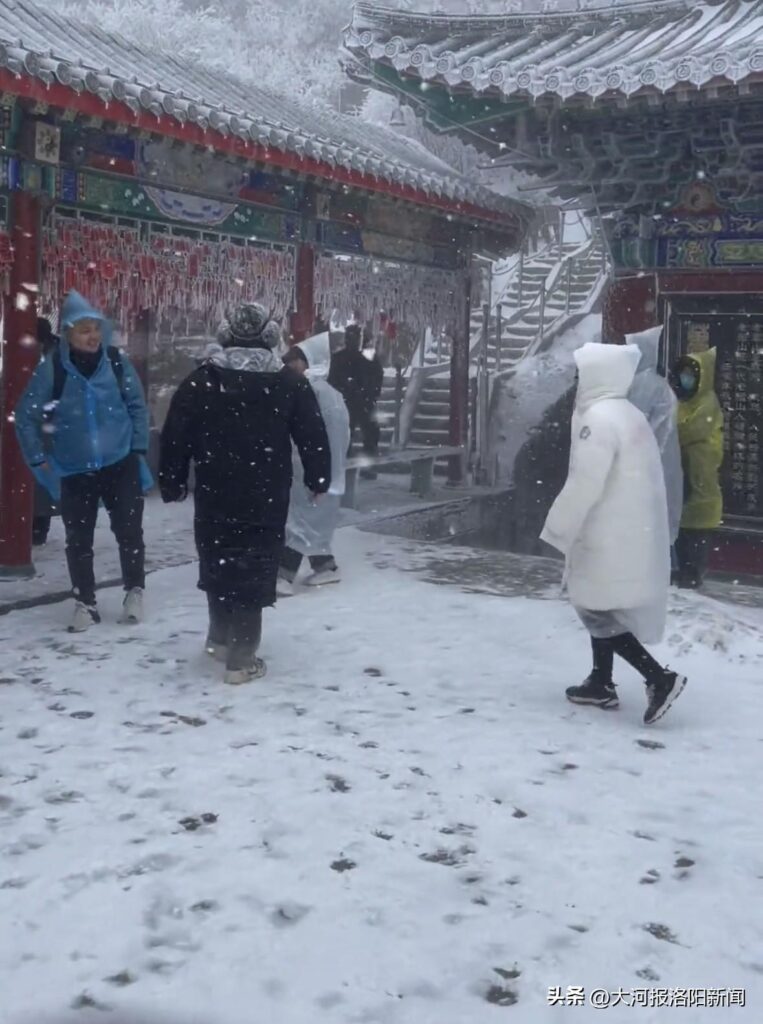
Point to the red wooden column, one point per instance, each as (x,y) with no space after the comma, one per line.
(304,290)
(19,362)
(630,306)
(459,385)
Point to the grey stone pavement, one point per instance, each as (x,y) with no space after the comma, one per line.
(485,571)
(385,506)
(169,538)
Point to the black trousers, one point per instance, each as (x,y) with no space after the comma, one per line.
(629,649)
(291,560)
(119,488)
(40,529)
(693,556)
(370,432)
(237,626)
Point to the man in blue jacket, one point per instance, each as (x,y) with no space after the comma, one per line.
(82,425)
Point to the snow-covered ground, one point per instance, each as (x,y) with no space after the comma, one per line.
(405,823)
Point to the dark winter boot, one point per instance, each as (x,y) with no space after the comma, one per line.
(242,664)
(595,691)
(662,692)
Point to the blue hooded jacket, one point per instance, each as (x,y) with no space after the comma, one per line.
(94,423)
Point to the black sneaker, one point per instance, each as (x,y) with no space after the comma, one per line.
(661,695)
(592,691)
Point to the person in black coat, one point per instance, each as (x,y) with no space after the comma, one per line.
(359,380)
(540,472)
(44,506)
(236,416)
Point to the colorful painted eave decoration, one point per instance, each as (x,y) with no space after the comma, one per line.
(84,72)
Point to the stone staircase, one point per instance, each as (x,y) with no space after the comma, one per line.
(431,424)
(525,307)
(576,279)
(521,304)
(385,412)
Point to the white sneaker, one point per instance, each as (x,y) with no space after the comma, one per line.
(323,577)
(284,588)
(84,617)
(238,677)
(132,609)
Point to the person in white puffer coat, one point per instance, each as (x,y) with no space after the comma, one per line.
(311,522)
(611,524)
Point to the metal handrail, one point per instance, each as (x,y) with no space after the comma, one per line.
(541,297)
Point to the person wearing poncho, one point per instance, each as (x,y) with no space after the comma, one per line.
(311,524)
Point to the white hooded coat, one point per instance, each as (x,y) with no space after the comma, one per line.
(610,521)
(652,394)
(311,524)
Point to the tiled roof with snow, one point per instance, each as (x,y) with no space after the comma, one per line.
(568,48)
(41,44)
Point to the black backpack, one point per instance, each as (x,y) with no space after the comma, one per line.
(59,373)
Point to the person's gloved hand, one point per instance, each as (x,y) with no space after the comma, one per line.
(172,494)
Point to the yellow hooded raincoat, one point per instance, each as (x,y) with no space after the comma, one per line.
(700,433)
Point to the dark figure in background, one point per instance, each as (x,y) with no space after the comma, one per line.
(236,416)
(359,380)
(44,505)
(540,472)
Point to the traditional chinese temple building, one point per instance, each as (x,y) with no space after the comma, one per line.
(649,115)
(166,193)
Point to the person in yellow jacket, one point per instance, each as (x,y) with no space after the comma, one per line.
(700,434)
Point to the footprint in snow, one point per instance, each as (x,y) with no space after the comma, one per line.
(122,979)
(289,914)
(204,907)
(647,974)
(644,835)
(458,830)
(450,858)
(85,1001)
(337,784)
(342,865)
(661,932)
(185,719)
(683,865)
(193,824)
(500,995)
